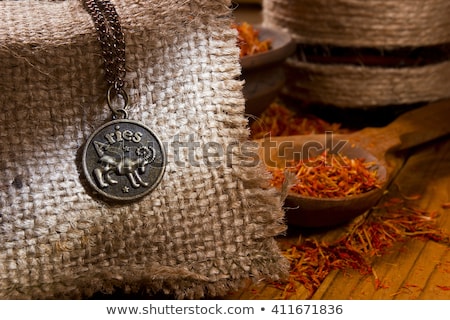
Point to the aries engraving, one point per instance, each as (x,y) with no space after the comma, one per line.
(124,166)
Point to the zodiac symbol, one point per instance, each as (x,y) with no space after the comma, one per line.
(124,166)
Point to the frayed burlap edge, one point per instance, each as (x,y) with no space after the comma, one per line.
(260,202)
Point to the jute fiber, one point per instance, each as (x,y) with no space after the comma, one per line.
(381,25)
(209,225)
(364,86)
(362,23)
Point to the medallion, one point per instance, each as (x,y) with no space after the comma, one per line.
(123,160)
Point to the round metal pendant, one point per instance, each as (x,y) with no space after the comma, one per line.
(123,160)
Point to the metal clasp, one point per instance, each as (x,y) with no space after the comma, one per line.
(118,113)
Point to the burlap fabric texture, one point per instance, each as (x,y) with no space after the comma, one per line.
(209,224)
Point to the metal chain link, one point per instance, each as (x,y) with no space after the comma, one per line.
(111,38)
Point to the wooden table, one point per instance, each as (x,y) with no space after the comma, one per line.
(413,269)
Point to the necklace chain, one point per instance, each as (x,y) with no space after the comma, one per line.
(123,160)
(111,38)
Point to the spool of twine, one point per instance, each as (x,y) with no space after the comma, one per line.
(351,27)
(360,86)
(366,23)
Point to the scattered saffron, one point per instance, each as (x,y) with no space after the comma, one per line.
(278,120)
(445,288)
(311,261)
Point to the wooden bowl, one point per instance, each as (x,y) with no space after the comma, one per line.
(264,72)
(282,47)
(314,212)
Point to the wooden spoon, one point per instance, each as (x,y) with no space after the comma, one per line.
(377,145)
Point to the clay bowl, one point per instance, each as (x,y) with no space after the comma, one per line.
(264,72)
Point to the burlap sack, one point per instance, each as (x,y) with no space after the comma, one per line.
(209,224)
